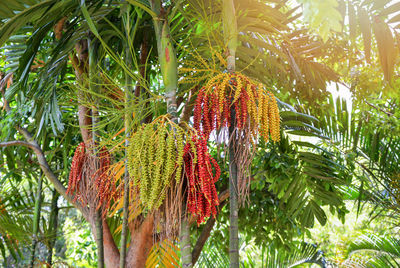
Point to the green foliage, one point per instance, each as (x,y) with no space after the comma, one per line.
(266,256)
(323,16)
(81,248)
(337,153)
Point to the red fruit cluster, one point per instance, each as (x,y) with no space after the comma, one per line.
(207,113)
(211,112)
(103,183)
(241,108)
(75,174)
(202,194)
(256,109)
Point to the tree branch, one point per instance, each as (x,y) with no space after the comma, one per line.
(223,195)
(32,144)
(205,234)
(16,143)
(187,109)
(379,109)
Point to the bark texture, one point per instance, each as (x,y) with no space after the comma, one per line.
(141,243)
(230,36)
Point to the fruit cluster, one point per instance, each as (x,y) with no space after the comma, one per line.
(105,186)
(255,109)
(75,175)
(155,158)
(81,161)
(202,195)
(256,113)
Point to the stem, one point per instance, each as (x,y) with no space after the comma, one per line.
(230,32)
(233,208)
(128,92)
(53,223)
(99,239)
(186,253)
(93,87)
(230,36)
(205,234)
(166,56)
(36,219)
(169,72)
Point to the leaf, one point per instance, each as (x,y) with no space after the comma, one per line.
(163,254)
(22,18)
(6,12)
(30,53)
(381,244)
(365,26)
(297,116)
(386,47)
(142,6)
(318,212)
(394,19)
(352,21)
(88,19)
(390,9)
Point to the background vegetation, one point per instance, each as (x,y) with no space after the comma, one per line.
(326,194)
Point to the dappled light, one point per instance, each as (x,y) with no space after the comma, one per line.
(199,133)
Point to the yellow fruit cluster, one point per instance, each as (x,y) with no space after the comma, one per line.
(155,157)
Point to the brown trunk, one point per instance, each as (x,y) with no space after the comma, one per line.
(139,89)
(80,63)
(85,122)
(141,243)
(142,237)
(111,253)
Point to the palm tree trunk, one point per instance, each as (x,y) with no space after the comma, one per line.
(169,71)
(53,224)
(36,219)
(186,252)
(128,93)
(167,57)
(99,239)
(233,208)
(93,88)
(230,36)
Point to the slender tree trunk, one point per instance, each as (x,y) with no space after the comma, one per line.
(166,57)
(233,208)
(93,87)
(142,240)
(53,225)
(168,63)
(99,239)
(169,71)
(128,94)
(111,253)
(36,219)
(186,251)
(230,37)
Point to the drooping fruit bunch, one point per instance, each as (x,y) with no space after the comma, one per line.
(104,183)
(202,195)
(90,168)
(255,108)
(155,158)
(75,174)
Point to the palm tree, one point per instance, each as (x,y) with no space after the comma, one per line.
(93,50)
